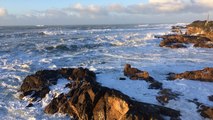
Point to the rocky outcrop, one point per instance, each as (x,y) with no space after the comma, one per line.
(178,29)
(198,33)
(136,74)
(205,75)
(38,84)
(181,41)
(201,28)
(165,95)
(88,100)
(92,101)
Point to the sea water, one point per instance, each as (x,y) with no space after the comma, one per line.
(104,49)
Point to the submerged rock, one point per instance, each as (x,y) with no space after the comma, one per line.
(205,75)
(136,74)
(165,95)
(210,98)
(88,100)
(122,78)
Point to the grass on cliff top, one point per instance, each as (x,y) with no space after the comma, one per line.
(202,24)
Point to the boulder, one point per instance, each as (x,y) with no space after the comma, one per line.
(136,74)
(205,75)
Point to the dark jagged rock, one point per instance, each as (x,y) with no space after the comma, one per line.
(210,98)
(38,84)
(165,95)
(89,100)
(155,85)
(136,74)
(122,78)
(30,105)
(205,111)
(205,75)
(178,29)
(92,101)
(77,73)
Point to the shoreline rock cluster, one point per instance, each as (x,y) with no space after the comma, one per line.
(205,75)
(198,33)
(87,99)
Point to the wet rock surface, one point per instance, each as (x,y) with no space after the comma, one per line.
(205,111)
(37,85)
(205,75)
(198,33)
(165,95)
(136,74)
(87,99)
(181,41)
(210,98)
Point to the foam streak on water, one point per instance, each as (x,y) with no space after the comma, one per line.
(104,49)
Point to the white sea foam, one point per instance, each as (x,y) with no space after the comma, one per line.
(149,36)
(55,90)
(45,60)
(143,25)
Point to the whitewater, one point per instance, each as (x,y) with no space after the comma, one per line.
(104,49)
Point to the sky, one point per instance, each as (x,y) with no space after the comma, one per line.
(77,12)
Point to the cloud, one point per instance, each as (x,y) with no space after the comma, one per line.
(3,12)
(152,11)
(167,5)
(204,3)
(89,10)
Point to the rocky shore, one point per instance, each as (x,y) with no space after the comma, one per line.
(198,33)
(87,99)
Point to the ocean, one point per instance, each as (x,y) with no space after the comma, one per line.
(104,49)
